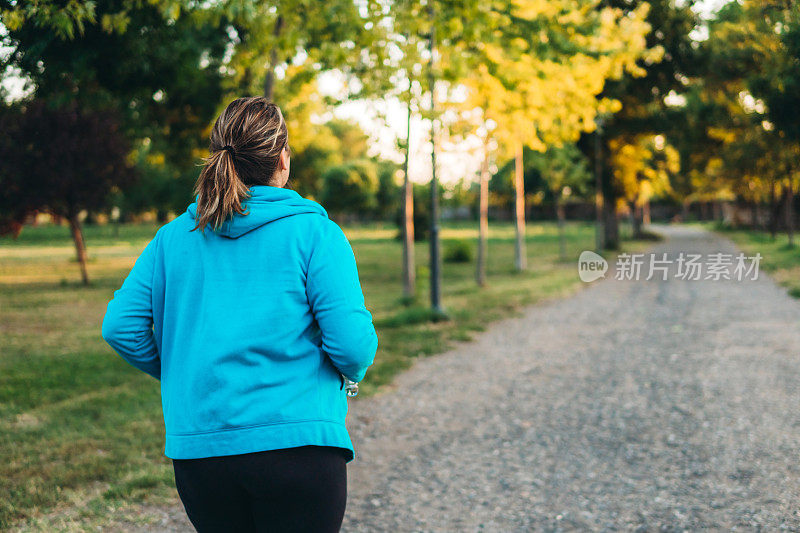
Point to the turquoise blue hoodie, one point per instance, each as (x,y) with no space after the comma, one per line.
(248,327)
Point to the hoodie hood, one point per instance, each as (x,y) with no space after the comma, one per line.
(265,204)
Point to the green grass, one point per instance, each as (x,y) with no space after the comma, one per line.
(81,431)
(779,259)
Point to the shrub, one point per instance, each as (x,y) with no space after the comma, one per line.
(458,251)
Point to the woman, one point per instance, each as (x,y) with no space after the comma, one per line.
(249,310)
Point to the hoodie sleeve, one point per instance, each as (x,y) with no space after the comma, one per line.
(128,322)
(334,293)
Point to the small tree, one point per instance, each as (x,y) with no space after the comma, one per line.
(60,161)
(351,188)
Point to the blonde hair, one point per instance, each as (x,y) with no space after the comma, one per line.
(246,144)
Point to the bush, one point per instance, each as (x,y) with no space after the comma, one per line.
(350,188)
(459,251)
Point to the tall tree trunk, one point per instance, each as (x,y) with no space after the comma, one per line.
(640,219)
(646,213)
(756,222)
(519,210)
(483,218)
(773,211)
(435,256)
(636,220)
(80,245)
(610,217)
(599,230)
(409,271)
(788,194)
(562,238)
(610,224)
(269,79)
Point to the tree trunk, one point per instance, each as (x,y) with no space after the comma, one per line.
(434,254)
(610,218)
(80,245)
(409,271)
(519,209)
(599,230)
(773,211)
(636,220)
(788,194)
(562,238)
(646,213)
(483,219)
(269,79)
(631,219)
(611,224)
(756,223)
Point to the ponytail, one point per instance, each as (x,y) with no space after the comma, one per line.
(246,143)
(219,191)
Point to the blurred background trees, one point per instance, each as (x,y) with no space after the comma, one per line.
(698,108)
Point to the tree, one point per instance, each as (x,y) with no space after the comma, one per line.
(306,37)
(775,27)
(645,108)
(539,80)
(426,48)
(642,167)
(161,67)
(749,156)
(351,188)
(566,174)
(84,158)
(315,150)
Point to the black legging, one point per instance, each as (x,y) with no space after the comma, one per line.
(301,489)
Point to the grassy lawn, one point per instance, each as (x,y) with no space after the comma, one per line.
(779,260)
(81,442)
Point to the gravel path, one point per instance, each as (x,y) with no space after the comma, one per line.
(650,405)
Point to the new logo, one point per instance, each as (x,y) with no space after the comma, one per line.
(591,266)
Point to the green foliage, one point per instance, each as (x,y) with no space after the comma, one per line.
(559,170)
(390,189)
(777,80)
(351,188)
(458,251)
(547,173)
(164,75)
(331,144)
(461,193)
(749,146)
